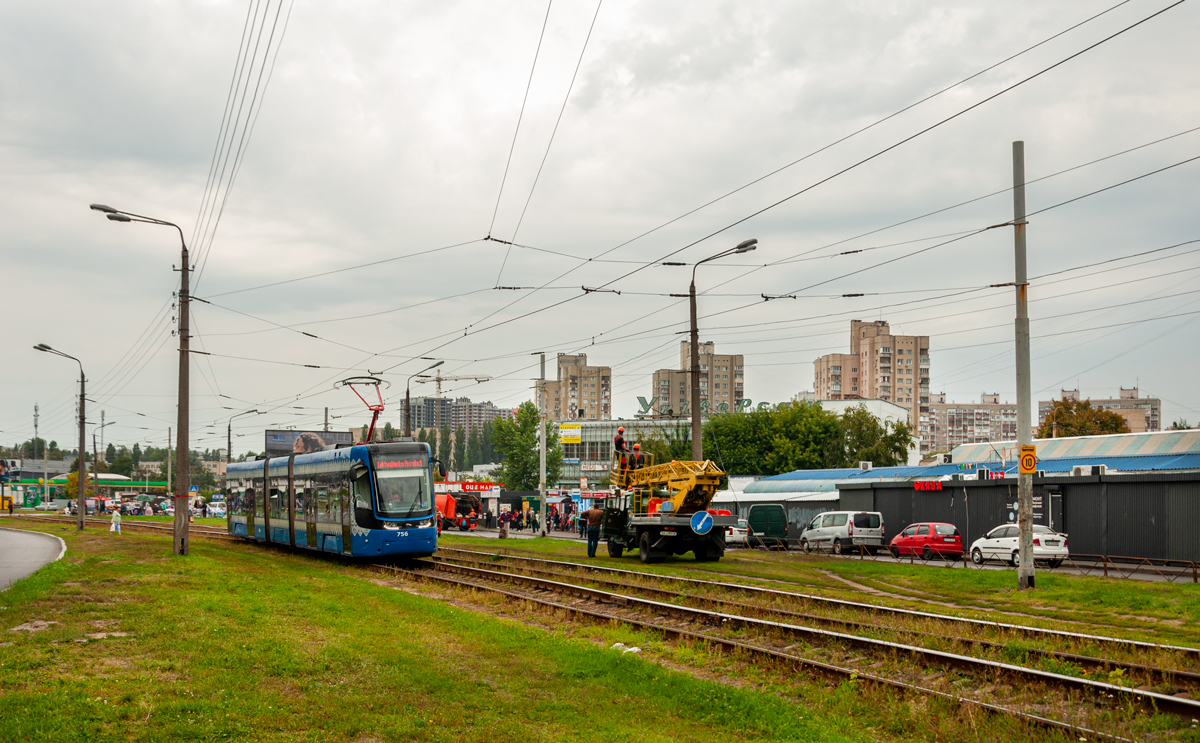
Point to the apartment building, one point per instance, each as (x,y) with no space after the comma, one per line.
(1142,414)
(580,392)
(880,366)
(947,425)
(722,382)
(430,412)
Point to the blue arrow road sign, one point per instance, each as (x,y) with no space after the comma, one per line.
(701,522)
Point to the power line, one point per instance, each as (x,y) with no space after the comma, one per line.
(557,121)
(517,130)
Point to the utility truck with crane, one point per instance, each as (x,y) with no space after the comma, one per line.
(662,509)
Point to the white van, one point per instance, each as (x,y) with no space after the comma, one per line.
(842,530)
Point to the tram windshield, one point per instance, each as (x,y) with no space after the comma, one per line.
(402,487)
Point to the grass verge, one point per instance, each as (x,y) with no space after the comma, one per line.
(241,642)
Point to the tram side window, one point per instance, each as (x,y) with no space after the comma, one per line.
(278,499)
(362,490)
(258,498)
(327,485)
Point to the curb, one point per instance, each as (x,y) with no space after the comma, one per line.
(62,545)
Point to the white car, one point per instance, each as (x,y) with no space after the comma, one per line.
(1002,543)
(736,535)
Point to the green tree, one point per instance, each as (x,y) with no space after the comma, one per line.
(122,464)
(136,455)
(668,444)
(1180,425)
(474,449)
(487,444)
(867,439)
(445,447)
(460,448)
(389,433)
(110,453)
(739,442)
(1078,418)
(517,443)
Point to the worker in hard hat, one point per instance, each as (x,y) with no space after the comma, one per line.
(620,447)
(639,459)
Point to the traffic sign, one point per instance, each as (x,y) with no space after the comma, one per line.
(701,522)
(583,482)
(194,489)
(1028,459)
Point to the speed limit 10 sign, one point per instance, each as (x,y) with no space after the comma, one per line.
(1028,460)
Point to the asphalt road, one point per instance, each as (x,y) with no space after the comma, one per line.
(23,552)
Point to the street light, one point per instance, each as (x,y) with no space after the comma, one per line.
(182,460)
(81,510)
(96,457)
(744,246)
(408,397)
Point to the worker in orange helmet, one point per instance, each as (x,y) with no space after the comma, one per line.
(620,446)
(639,459)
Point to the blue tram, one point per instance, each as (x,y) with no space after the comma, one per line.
(373,500)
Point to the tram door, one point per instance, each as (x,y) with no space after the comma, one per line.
(347,514)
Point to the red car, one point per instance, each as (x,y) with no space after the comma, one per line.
(927,540)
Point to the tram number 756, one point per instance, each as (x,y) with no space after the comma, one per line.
(404,534)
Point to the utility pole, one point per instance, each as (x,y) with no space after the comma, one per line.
(182,460)
(96,468)
(181,453)
(168,459)
(694,363)
(326,420)
(542,449)
(81,501)
(97,461)
(1025,569)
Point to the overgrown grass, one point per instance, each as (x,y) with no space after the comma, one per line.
(248,643)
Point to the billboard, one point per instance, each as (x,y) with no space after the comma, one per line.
(570,433)
(282,443)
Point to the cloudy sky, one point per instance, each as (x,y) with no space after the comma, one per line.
(381,137)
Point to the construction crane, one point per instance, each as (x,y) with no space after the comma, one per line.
(438,378)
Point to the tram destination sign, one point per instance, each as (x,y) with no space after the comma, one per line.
(282,443)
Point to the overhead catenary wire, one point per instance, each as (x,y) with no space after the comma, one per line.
(516,132)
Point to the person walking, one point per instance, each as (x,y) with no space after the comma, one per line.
(593,519)
(116,521)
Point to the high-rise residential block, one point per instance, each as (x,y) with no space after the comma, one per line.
(948,425)
(880,366)
(722,382)
(1140,413)
(581,392)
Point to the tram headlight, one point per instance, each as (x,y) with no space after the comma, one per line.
(425,524)
(391,525)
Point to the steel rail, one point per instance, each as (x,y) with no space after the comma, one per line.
(726,644)
(1163,674)
(843,603)
(206,531)
(1186,707)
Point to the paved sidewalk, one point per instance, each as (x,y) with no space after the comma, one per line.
(23,552)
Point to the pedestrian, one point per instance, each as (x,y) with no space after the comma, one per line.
(594,517)
(10,506)
(116,521)
(639,459)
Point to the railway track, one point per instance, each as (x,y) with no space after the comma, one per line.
(194,530)
(1160,676)
(618,606)
(834,603)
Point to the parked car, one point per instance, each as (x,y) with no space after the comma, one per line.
(735,536)
(1002,543)
(47,506)
(766,524)
(927,540)
(840,530)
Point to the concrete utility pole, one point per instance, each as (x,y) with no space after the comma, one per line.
(744,246)
(102,424)
(1025,568)
(168,459)
(326,420)
(542,449)
(181,453)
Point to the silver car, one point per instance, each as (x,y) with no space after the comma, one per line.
(1002,543)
